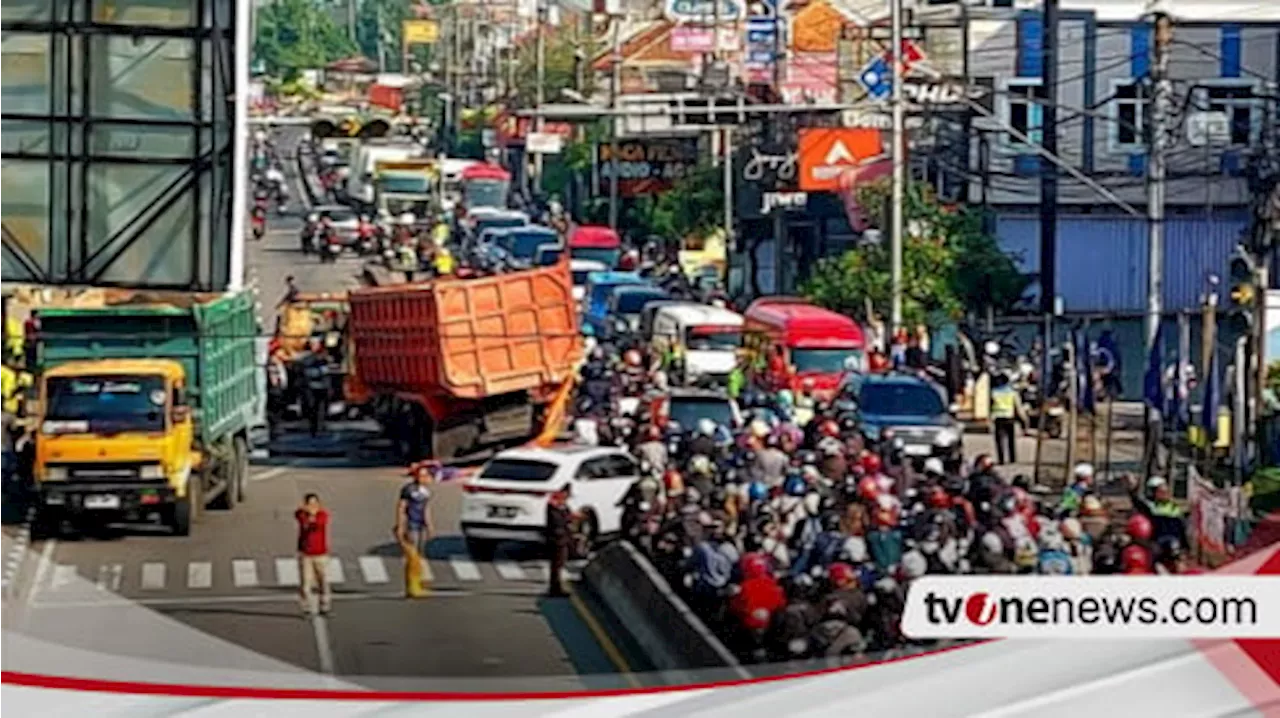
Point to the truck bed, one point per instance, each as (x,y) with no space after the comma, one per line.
(467,338)
(211,335)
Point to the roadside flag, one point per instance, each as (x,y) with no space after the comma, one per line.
(1084,372)
(1212,398)
(1152,380)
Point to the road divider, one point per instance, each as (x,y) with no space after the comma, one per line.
(673,638)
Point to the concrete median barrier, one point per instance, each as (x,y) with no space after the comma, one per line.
(659,622)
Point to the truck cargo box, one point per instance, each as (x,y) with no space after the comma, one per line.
(211,335)
(467,338)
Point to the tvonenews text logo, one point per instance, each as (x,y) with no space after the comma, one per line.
(1093,607)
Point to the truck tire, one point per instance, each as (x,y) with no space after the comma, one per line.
(187,509)
(453,441)
(240,457)
(226,472)
(46,524)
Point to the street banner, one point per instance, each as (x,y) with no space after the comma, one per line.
(421,32)
(646,166)
(827,153)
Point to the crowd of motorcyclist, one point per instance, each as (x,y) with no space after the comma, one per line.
(795,536)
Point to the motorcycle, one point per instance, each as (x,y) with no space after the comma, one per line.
(259,225)
(332,247)
(308,234)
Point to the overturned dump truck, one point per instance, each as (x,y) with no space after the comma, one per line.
(450,365)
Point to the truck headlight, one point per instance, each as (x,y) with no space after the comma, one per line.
(55,473)
(946,437)
(151,471)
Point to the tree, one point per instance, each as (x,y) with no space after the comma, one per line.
(564,54)
(693,207)
(295,35)
(949,263)
(385,18)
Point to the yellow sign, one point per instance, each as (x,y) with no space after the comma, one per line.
(421,32)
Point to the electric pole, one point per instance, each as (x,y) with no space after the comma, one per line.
(1156,167)
(351,20)
(899,177)
(541,89)
(1049,173)
(615,88)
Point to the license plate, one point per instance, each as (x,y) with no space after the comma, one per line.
(503,512)
(101,501)
(917,450)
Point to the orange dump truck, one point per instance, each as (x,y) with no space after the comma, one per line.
(453,364)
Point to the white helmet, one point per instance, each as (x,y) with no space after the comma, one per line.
(408,218)
(933,465)
(313,217)
(992,348)
(706,426)
(1083,471)
(700,465)
(759,428)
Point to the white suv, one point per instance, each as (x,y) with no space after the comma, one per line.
(507,499)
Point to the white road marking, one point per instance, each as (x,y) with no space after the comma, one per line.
(244,573)
(42,567)
(63,575)
(270,474)
(153,576)
(320,627)
(199,574)
(510,570)
(17,552)
(287,572)
(373,569)
(290,604)
(426,570)
(333,572)
(464,568)
(540,571)
(110,576)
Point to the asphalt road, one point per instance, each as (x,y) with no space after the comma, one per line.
(234,579)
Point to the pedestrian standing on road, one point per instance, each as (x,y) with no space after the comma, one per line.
(414,527)
(559,535)
(291,292)
(313,554)
(1006,411)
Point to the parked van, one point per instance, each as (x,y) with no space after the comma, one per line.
(812,343)
(709,336)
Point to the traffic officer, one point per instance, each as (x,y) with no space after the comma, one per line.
(559,535)
(1006,411)
(442,261)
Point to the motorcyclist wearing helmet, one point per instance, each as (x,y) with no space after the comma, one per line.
(1157,504)
(1081,485)
(653,449)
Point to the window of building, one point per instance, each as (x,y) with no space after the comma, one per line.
(1130,113)
(1025,114)
(1239,104)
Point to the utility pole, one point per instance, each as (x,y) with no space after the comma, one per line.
(541,89)
(1049,173)
(351,19)
(899,177)
(615,88)
(1156,167)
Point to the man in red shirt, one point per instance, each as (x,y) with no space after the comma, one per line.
(313,553)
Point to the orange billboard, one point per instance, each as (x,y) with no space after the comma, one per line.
(826,153)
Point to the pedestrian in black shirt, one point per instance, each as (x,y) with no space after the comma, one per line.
(559,535)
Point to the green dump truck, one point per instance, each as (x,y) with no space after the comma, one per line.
(144,407)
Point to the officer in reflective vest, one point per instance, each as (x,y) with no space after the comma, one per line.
(1006,411)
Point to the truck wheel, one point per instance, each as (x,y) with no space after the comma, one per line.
(241,459)
(454,441)
(187,510)
(46,524)
(226,500)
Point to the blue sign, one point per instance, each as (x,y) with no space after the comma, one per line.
(876,77)
(762,37)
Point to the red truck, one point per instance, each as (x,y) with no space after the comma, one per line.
(812,343)
(449,365)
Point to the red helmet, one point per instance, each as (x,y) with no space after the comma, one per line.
(755,565)
(938,498)
(1023,502)
(673,481)
(868,488)
(841,574)
(1139,527)
(653,432)
(629,261)
(829,428)
(871,463)
(1135,559)
(632,357)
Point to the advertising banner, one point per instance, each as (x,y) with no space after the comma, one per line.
(646,166)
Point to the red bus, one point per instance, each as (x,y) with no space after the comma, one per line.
(792,341)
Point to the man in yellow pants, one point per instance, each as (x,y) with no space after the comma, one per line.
(414,528)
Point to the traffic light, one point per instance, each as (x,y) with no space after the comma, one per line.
(1243,288)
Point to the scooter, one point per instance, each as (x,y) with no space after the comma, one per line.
(259,225)
(332,247)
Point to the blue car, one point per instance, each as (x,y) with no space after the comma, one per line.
(623,308)
(600,286)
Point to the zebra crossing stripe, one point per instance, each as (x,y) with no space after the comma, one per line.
(287,572)
(373,570)
(333,573)
(244,573)
(110,576)
(153,576)
(200,574)
(63,574)
(464,568)
(426,570)
(510,570)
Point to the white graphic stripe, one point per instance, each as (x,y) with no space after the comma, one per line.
(153,576)
(244,572)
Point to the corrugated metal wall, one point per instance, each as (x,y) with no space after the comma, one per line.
(1102,260)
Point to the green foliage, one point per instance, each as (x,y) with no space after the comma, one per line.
(387,17)
(296,35)
(949,264)
(561,65)
(693,207)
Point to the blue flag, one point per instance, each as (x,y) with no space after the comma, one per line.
(1084,372)
(1152,390)
(1108,358)
(1212,398)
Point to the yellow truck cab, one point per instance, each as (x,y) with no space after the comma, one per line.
(114,435)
